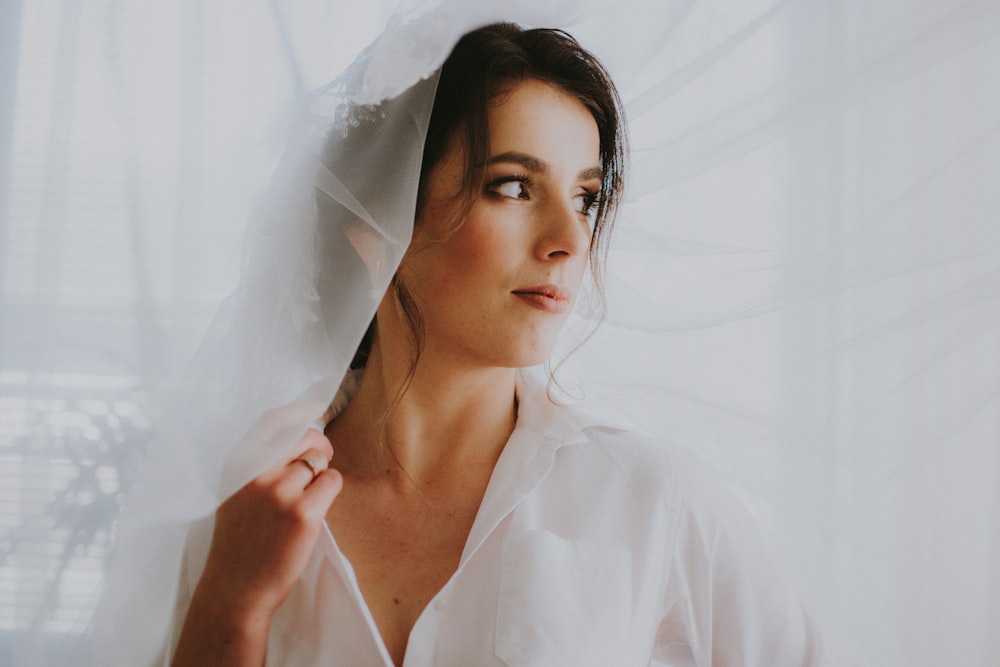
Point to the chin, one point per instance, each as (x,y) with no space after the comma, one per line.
(531,355)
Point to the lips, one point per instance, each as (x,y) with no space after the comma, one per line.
(550,298)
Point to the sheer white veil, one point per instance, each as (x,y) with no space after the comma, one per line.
(803,287)
(323,246)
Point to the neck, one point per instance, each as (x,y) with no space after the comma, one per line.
(449,421)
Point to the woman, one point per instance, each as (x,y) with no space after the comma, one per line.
(804,273)
(464,516)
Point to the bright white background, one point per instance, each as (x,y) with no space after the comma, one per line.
(809,268)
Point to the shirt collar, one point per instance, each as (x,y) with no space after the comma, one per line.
(543,426)
(561,423)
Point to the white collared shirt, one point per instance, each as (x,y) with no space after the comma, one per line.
(592,546)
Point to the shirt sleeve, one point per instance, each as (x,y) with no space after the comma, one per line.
(725,601)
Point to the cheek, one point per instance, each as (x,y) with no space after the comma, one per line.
(478,244)
(443,274)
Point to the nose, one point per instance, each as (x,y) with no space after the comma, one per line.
(565,233)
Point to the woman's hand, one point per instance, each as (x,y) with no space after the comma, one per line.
(263,538)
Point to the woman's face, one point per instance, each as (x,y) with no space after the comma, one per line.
(497,291)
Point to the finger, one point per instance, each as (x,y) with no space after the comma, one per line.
(310,441)
(267,445)
(299,472)
(320,494)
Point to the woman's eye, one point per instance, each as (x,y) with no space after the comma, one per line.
(511,190)
(586,203)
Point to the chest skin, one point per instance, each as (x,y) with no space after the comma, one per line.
(404,546)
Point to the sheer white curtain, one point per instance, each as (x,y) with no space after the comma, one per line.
(133,138)
(805,283)
(826,327)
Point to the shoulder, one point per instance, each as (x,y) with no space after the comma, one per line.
(695,544)
(657,466)
(668,481)
(599,448)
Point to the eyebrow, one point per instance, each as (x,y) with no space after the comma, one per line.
(538,166)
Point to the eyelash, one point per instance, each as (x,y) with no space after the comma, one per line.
(491,187)
(592,200)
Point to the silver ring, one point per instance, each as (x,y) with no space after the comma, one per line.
(312,465)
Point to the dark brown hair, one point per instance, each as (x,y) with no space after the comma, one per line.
(483,64)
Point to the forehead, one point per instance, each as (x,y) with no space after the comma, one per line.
(539,118)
